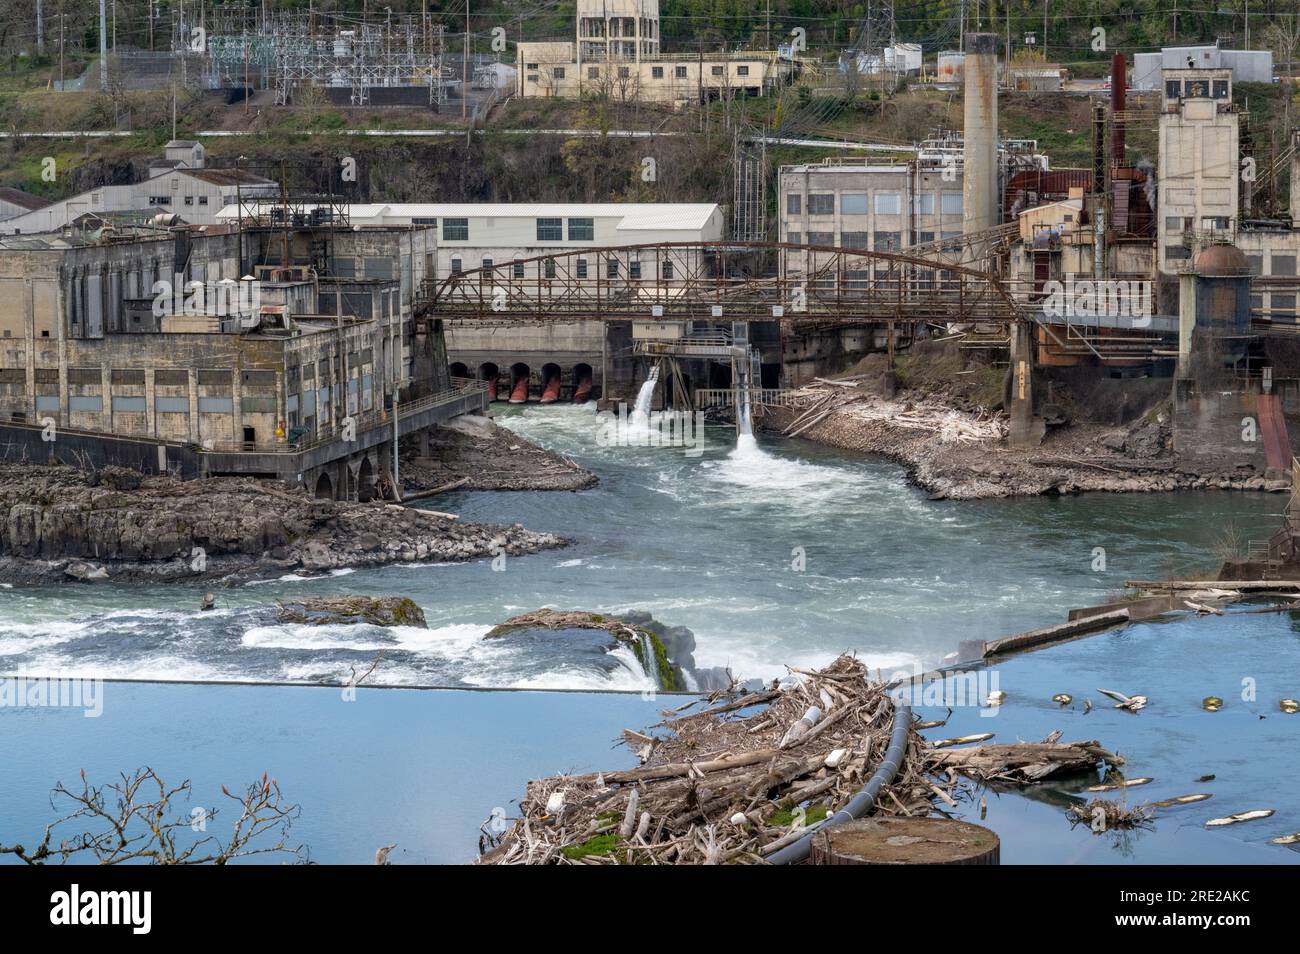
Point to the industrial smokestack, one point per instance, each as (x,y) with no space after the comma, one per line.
(980,151)
(1118,83)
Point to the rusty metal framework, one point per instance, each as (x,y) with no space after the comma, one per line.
(721,282)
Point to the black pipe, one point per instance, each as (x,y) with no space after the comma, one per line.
(865,799)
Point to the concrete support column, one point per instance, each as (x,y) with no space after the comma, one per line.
(1186,321)
(194,408)
(1025,430)
(150,410)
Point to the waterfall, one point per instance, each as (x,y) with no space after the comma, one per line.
(640,419)
(648,661)
(745,430)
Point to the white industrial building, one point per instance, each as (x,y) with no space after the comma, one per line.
(195,195)
(1247,66)
(475,235)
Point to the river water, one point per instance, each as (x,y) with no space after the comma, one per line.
(773,553)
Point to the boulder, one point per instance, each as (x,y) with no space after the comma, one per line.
(86,572)
(342,610)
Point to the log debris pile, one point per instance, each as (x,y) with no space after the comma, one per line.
(728,783)
(733,778)
(923,415)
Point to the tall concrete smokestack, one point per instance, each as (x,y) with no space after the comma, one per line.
(1118,86)
(980,152)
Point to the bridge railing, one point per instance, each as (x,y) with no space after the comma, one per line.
(729,397)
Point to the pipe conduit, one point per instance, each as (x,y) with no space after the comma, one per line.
(865,799)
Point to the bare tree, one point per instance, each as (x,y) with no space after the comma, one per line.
(1283,37)
(132,820)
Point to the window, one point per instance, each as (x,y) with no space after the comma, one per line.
(679,72)
(950,203)
(1174,223)
(558,72)
(203,200)
(611,268)
(888,203)
(1278,302)
(715,70)
(853,203)
(531,66)
(1283,264)
(582,230)
(1175,253)
(549,268)
(1173,89)
(1256,264)
(423,220)
(518,269)
(823,204)
(634,270)
(793,203)
(550,230)
(581,268)
(593,72)
(887,242)
(1214,222)
(189,200)
(455,230)
(487,269)
(1220,89)
(923,237)
(821,238)
(656,72)
(923,203)
(854,239)
(455,266)
(742,70)
(624,72)
(794,238)
(160,200)
(668,270)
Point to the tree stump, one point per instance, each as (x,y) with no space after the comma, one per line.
(905,841)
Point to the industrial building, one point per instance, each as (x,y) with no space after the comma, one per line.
(268,349)
(1246,66)
(518,244)
(616,53)
(179,183)
(15,202)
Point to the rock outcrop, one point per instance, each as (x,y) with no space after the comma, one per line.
(336,610)
(58,523)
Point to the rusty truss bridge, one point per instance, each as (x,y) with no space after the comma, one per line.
(720,281)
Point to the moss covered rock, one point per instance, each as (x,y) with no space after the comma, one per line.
(335,610)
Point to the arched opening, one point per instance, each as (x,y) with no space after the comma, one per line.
(582,383)
(519,375)
(324,487)
(458,369)
(489,372)
(365,481)
(550,383)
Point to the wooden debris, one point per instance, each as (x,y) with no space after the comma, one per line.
(1024,762)
(1131,703)
(1103,814)
(722,786)
(1240,817)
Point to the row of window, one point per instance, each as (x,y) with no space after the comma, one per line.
(548,230)
(1196,89)
(167,200)
(549,269)
(884,203)
(880,241)
(625,72)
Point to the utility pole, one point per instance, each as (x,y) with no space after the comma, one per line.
(103,45)
(40,26)
(464,70)
(1044,31)
(62,17)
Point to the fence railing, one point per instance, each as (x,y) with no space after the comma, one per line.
(728,397)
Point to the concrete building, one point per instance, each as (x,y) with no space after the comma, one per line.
(133,343)
(517,241)
(14,202)
(615,52)
(1245,66)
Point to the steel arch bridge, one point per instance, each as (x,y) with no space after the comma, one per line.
(721,282)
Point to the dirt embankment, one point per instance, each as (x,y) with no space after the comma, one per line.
(947,427)
(487,457)
(59,524)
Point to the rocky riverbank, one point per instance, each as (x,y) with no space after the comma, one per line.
(957,453)
(59,524)
(474,453)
